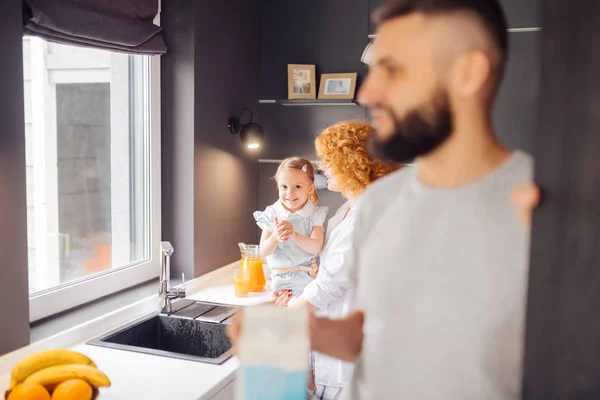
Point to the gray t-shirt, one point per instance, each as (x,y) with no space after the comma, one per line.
(442,277)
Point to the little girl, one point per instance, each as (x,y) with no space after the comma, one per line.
(292,228)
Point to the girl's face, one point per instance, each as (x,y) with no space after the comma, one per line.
(294,188)
(332,184)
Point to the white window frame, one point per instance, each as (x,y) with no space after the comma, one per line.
(72,294)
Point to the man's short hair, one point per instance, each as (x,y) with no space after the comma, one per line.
(488,12)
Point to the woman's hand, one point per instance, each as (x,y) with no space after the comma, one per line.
(282,298)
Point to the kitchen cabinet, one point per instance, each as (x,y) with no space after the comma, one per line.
(330,34)
(373,5)
(562,356)
(291,131)
(519,13)
(515,111)
(522,13)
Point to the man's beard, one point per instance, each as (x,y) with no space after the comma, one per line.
(421,131)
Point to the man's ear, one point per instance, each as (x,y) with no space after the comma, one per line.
(472,73)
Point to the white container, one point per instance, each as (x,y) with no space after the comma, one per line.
(273,351)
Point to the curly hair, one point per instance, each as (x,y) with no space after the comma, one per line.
(343,149)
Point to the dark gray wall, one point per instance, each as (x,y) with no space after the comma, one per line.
(291,130)
(177,130)
(520,13)
(227,50)
(295,32)
(330,34)
(14,322)
(209,179)
(285,39)
(515,110)
(562,359)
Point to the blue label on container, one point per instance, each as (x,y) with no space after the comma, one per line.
(273,383)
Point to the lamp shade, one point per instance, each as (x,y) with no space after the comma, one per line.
(252,135)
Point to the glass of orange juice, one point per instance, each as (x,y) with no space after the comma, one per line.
(241,283)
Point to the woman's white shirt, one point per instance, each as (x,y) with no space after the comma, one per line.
(332,291)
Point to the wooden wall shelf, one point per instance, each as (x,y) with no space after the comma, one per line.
(311,102)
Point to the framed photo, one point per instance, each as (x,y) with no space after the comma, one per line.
(337,86)
(302,82)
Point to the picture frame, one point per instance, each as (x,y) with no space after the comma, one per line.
(302,81)
(337,86)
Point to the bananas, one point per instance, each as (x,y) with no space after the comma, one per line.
(51,367)
(54,375)
(45,359)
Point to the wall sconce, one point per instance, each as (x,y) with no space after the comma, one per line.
(365,58)
(251,133)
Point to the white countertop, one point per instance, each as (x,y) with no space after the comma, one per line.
(143,376)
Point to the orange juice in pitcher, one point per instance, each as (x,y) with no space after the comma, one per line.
(251,266)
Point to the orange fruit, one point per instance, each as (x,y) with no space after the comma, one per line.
(73,389)
(29,391)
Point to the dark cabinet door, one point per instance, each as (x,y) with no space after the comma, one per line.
(519,13)
(291,130)
(373,5)
(522,13)
(515,112)
(330,34)
(562,351)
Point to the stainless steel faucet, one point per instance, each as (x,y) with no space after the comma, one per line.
(165,293)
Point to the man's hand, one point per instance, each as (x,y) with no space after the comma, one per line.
(525,198)
(234,330)
(340,338)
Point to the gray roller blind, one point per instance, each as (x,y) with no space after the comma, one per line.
(118,25)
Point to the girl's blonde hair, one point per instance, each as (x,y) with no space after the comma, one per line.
(343,149)
(303,165)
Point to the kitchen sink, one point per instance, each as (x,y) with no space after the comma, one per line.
(192,331)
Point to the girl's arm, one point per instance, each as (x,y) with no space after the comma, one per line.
(312,244)
(268,243)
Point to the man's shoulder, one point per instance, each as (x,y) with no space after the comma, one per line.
(519,170)
(390,185)
(381,193)
(524,163)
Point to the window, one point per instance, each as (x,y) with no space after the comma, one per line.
(93,172)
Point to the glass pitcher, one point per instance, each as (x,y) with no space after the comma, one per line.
(251,266)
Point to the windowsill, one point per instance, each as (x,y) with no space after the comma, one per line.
(57,323)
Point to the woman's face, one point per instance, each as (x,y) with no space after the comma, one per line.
(332,184)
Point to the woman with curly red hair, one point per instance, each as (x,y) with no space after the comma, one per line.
(349,168)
